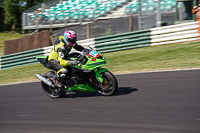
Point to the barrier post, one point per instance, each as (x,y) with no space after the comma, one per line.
(199,29)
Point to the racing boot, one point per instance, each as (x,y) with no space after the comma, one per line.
(60,75)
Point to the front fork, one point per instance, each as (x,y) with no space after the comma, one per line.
(99,77)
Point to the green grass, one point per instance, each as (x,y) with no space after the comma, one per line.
(7,36)
(21,74)
(165,57)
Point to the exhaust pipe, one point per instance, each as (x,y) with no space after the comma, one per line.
(39,76)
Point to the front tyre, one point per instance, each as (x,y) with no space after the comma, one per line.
(109,85)
(50,91)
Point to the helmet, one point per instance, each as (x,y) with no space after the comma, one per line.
(70,37)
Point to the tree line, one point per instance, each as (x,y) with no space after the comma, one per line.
(11,13)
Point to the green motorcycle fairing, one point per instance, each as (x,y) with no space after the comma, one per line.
(43,60)
(82,88)
(91,64)
(87,87)
(98,72)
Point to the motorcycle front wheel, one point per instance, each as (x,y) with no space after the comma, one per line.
(109,85)
(50,91)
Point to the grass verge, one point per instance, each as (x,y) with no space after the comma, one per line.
(165,57)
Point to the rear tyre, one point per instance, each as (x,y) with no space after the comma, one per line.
(50,91)
(109,85)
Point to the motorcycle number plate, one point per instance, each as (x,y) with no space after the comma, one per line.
(93,54)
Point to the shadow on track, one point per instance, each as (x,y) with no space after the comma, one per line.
(120,91)
(125,91)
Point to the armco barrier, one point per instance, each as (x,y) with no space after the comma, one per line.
(186,32)
(123,41)
(20,59)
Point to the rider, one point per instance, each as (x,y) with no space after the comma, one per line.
(57,57)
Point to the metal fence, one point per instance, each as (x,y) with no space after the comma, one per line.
(98,28)
(109,27)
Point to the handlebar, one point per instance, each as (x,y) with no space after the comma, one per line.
(80,57)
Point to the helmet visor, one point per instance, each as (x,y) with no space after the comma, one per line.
(71,40)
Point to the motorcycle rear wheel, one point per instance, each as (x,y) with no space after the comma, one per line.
(109,85)
(50,91)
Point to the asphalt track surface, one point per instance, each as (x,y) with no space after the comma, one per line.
(161,102)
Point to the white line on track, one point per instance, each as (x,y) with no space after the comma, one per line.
(122,74)
(20,83)
(161,71)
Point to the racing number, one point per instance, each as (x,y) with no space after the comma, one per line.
(93,53)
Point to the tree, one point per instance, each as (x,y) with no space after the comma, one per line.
(12,12)
(11,9)
(1,16)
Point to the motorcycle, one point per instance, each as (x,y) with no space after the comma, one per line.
(86,76)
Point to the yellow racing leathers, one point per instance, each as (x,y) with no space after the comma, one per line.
(57,57)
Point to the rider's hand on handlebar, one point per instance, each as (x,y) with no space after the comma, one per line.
(73,63)
(85,51)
